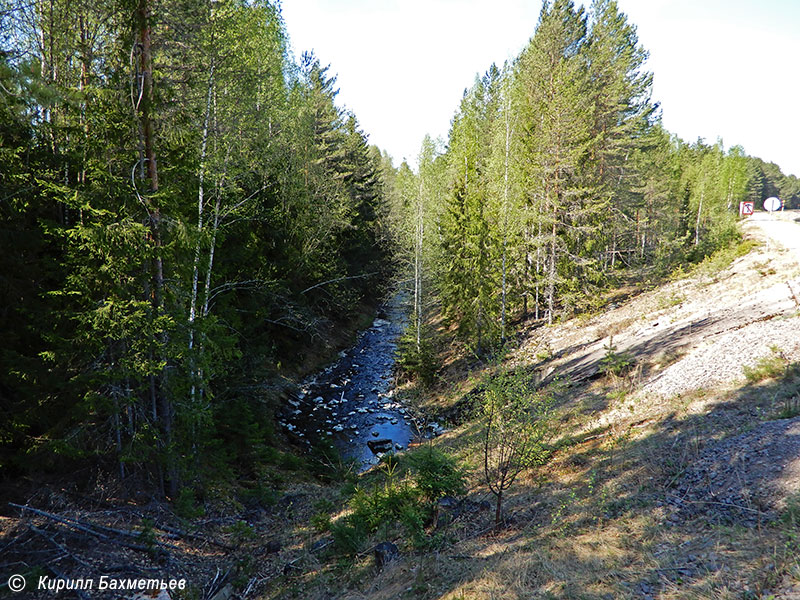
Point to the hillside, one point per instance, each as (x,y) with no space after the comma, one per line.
(674,479)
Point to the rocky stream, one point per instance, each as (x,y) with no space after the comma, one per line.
(352,402)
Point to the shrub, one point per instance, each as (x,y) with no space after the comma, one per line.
(615,363)
(398,501)
(436,474)
(186,505)
(321,522)
(516,432)
(349,535)
(767,367)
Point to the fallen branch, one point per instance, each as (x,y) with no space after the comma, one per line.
(61,547)
(75,524)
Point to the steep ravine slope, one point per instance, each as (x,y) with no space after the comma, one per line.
(676,479)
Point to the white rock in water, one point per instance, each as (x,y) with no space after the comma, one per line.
(375,433)
(342,354)
(319,399)
(351,413)
(338,428)
(334,385)
(394,421)
(380,323)
(362,410)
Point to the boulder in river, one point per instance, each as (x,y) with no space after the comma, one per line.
(381,445)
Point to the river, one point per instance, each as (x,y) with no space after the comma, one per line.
(352,403)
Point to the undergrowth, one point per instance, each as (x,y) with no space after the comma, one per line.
(400,500)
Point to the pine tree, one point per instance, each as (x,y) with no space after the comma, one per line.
(555,112)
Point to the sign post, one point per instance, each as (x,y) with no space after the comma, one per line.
(772,204)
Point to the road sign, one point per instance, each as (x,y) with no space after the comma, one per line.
(746,208)
(772,204)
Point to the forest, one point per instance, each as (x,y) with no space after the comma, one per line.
(558,181)
(189,222)
(186,213)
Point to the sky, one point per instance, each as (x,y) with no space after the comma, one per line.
(722,68)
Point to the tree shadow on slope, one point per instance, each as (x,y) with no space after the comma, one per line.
(587,366)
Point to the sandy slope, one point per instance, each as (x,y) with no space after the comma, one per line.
(695,333)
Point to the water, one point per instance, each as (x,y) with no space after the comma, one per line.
(351,403)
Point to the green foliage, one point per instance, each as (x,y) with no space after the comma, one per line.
(791,514)
(767,367)
(436,473)
(516,432)
(615,363)
(241,532)
(153,277)
(321,522)
(349,535)
(186,505)
(419,361)
(327,464)
(147,535)
(398,500)
(558,181)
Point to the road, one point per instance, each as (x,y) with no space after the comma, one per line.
(782,227)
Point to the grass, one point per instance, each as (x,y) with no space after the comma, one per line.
(674,298)
(595,523)
(767,367)
(720,260)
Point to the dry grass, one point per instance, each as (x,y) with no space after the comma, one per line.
(595,522)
